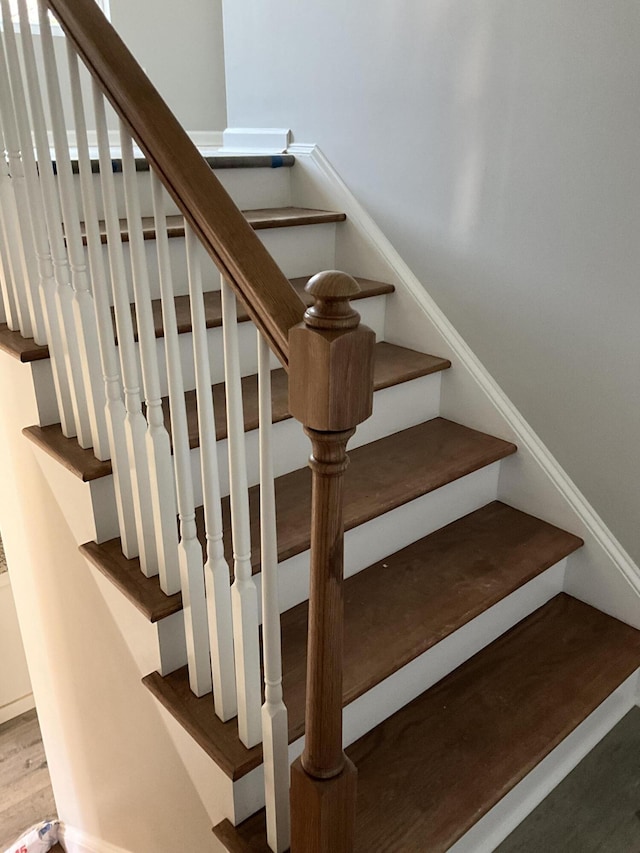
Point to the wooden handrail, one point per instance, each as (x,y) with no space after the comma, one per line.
(271,302)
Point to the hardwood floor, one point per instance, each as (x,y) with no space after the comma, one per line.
(25,789)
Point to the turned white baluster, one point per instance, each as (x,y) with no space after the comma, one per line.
(33,220)
(161,471)
(114,408)
(190,550)
(244,597)
(275,729)
(19,238)
(49,198)
(82,304)
(135,423)
(216,568)
(8,280)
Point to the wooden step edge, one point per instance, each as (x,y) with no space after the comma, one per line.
(79,461)
(395,365)
(213,306)
(259,219)
(26,350)
(371,591)
(215,161)
(478,775)
(144,593)
(297,484)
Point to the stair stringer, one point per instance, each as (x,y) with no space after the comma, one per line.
(602,574)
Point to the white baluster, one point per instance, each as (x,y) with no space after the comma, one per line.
(244,597)
(20,240)
(115,409)
(275,729)
(216,568)
(82,303)
(161,471)
(64,293)
(32,219)
(8,280)
(190,550)
(136,425)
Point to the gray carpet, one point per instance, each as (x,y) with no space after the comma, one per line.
(3,559)
(596,809)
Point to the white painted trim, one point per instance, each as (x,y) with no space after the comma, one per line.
(203,139)
(513,808)
(76,841)
(266,140)
(17,707)
(526,437)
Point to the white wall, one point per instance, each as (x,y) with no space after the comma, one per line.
(497,145)
(15,688)
(180,47)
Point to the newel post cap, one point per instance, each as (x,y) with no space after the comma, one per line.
(331,358)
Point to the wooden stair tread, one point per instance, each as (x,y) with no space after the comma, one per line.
(432,770)
(213,305)
(259,219)
(25,350)
(382,475)
(395,610)
(394,365)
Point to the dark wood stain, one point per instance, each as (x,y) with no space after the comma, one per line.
(277,217)
(68,452)
(431,771)
(394,611)
(144,592)
(393,366)
(424,458)
(25,350)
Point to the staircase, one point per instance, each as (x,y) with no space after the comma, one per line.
(472,681)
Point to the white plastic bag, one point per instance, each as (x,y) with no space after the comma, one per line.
(38,839)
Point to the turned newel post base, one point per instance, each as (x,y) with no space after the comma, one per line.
(330,392)
(323,811)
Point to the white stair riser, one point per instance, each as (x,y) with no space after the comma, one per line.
(371,310)
(395,409)
(412,402)
(300,250)
(392,694)
(249,188)
(370,542)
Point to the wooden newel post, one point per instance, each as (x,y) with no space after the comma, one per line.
(330,393)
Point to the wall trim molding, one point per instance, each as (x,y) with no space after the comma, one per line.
(76,841)
(266,140)
(549,465)
(201,138)
(16,707)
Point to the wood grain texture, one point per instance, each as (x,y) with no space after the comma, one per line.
(25,788)
(213,306)
(397,609)
(260,219)
(216,221)
(430,772)
(144,593)
(68,452)
(380,477)
(393,365)
(25,350)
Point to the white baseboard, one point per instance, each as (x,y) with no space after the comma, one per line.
(17,707)
(266,140)
(201,138)
(76,841)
